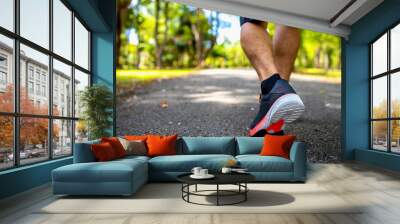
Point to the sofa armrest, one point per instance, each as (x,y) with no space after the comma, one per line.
(299,158)
(83,152)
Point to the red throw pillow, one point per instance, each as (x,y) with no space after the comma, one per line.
(103,152)
(136,137)
(275,145)
(116,145)
(161,145)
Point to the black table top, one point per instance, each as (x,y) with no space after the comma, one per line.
(220,178)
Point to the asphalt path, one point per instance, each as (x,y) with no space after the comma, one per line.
(223,102)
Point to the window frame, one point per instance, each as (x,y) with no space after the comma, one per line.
(16,115)
(388,74)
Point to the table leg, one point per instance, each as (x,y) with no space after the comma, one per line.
(245,193)
(195,188)
(217,194)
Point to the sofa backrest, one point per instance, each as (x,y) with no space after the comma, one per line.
(249,145)
(83,152)
(206,145)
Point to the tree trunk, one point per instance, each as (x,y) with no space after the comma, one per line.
(156,30)
(198,37)
(214,19)
(165,35)
(122,8)
(138,50)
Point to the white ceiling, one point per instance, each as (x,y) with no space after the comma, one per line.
(328,16)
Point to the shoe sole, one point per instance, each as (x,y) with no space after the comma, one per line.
(288,107)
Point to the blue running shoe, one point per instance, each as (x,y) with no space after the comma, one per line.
(281,103)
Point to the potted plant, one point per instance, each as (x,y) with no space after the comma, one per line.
(96,102)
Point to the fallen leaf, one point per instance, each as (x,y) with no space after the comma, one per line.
(164,104)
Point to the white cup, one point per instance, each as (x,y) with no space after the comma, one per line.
(196,171)
(226,170)
(203,172)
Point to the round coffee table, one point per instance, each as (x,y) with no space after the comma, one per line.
(238,179)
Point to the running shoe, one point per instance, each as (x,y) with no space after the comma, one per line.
(281,103)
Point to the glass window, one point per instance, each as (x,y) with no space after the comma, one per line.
(7,14)
(61,72)
(379,98)
(395,136)
(395,95)
(384,80)
(33,140)
(36,143)
(40,62)
(379,56)
(81,82)
(6,74)
(6,142)
(62,29)
(62,138)
(81,45)
(379,135)
(395,47)
(35,21)
(81,131)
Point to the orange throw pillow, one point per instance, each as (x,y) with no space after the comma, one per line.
(161,145)
(136,137)
(103,152)
(277,145)
(116,145)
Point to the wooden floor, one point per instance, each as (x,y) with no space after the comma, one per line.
(379,190)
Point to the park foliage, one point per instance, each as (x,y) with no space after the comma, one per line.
(176,36)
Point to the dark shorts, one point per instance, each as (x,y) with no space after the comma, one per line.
(244,20)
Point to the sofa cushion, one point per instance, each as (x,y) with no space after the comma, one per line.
(161,145)
(134,147)
(116,145)
(206,145)
(112,171)
(257,163)
(249,145)
(185,163)
(103,152)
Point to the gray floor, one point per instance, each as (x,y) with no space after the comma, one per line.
(224,102)
(378,190)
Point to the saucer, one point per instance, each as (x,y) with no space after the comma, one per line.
(208,176)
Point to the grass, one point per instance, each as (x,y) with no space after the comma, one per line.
(144,76)
(128,80)
(335,73)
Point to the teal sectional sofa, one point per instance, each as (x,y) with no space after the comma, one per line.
(125,176)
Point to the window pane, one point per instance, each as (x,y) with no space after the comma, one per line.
(62,29)
(6,74)
(81,82)
(395,47)
(395,132)
(379,55)
(379,98)
(62,138)
(33,139)
(6,142)
(395,94)
(379,135)
(81,131)
(62,89)
(81,45)
(7,14)
(34,72)
(35,21)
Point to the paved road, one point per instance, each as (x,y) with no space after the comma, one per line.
(224,102)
